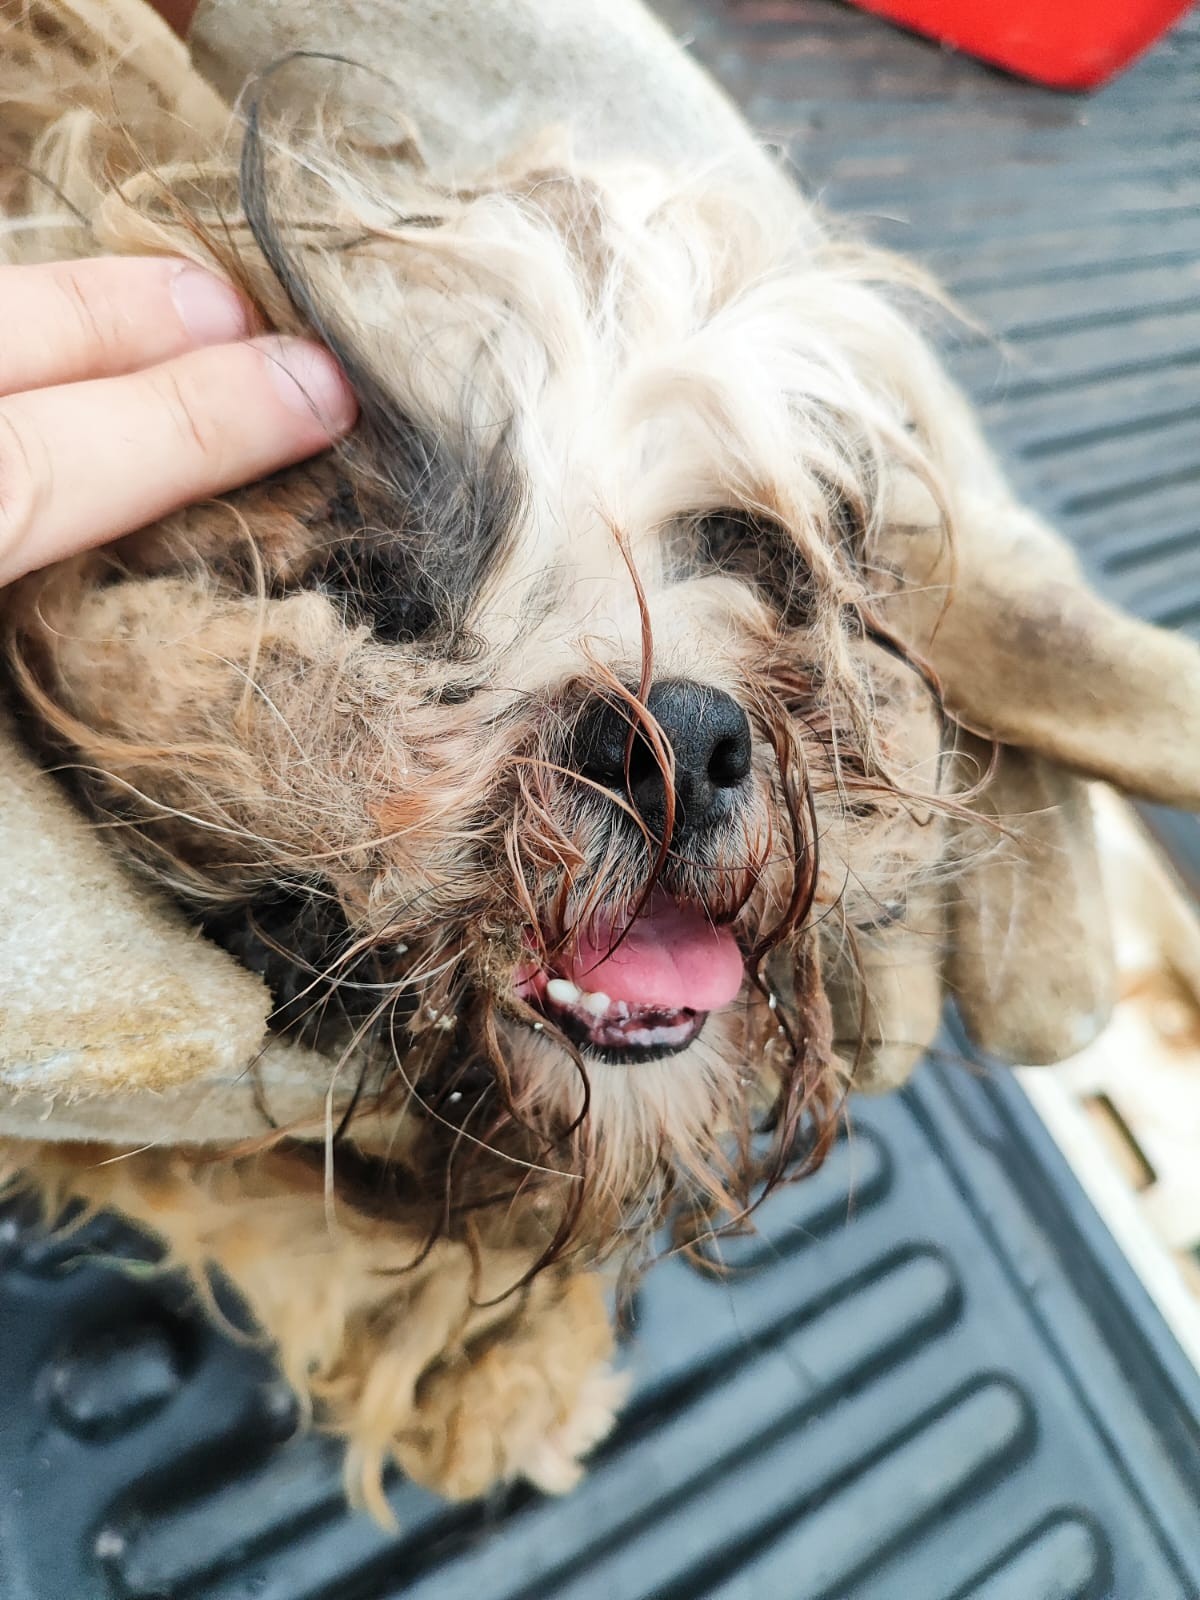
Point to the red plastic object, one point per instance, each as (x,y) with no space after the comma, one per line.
(1068,44)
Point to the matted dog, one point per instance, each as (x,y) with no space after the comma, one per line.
(593,755)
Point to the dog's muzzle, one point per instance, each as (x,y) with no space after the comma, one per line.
(640,987)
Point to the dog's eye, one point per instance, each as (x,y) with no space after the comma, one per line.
(758,552)
(374,583)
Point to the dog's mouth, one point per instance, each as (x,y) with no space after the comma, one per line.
(642,989)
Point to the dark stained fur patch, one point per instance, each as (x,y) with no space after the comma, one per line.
(296,938)
(418,524)
(371,580)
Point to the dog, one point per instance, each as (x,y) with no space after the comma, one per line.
(606,758)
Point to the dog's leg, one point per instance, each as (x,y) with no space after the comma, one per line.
(527,1401)
(426,1356)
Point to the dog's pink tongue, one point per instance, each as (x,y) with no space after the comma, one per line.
(671,958)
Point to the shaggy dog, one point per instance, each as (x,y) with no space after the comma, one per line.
(569,751)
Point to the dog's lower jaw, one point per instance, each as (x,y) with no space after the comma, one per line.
(647,1135)
(619,1033)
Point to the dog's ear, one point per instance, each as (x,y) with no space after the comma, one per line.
(1030,950)
(1030,655)
(221,723)
(886,989)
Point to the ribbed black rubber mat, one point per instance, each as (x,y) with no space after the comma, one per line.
(932,1376)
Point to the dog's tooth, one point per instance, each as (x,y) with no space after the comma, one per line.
(595,1004)
(563,992)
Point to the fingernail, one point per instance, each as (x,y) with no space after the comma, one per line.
(310,382)
(210,310)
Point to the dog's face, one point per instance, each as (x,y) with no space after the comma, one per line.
(543,747)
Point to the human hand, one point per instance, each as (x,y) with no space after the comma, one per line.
(130,387)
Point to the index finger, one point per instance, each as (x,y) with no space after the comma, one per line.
(67,321)
(85,462)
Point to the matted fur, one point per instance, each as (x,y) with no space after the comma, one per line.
(618,427)
(426,1357)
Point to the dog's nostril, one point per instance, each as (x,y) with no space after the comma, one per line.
(710,735)
(607,756)
(643,769)
(729,764)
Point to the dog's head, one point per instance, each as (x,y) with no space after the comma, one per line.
(543,746)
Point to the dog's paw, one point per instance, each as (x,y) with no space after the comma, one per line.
(555,1463)
(530,1402)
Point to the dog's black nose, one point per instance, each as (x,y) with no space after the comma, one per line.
(709,734)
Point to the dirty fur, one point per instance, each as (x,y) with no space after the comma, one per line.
(426,1357)
(618,428)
